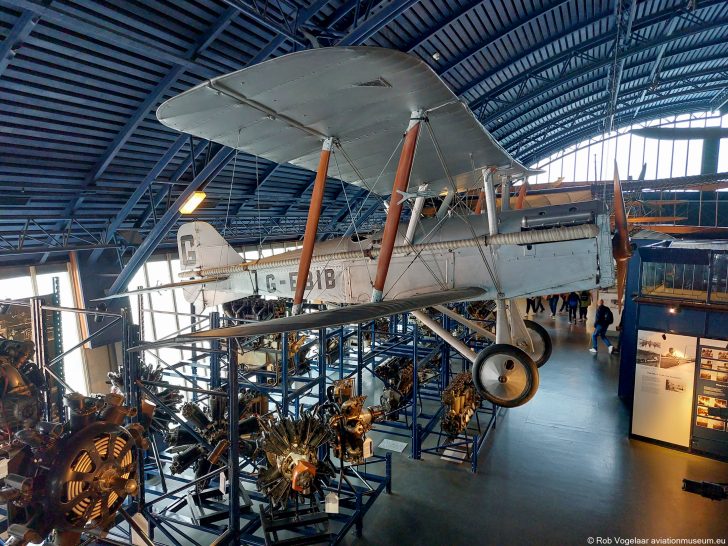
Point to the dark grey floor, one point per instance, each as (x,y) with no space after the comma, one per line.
(558,470)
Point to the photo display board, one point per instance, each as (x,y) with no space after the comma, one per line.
(664,385)
(711,393)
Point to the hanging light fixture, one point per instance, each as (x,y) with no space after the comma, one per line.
(192,202)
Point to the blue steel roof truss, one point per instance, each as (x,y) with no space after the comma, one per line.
(88,164)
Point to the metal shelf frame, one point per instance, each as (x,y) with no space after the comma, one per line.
(291,394)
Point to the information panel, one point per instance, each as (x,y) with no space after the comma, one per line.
(711,398)
(664,381)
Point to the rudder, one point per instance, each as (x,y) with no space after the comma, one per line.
(201,247)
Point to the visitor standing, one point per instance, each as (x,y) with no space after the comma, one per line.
(553,304)
(584,303)
(564,302)
(602,320)
(573,302)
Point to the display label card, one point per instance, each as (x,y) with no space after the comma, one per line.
(332,503)
(223,483)
(393,445)
(136,540)
(3,468)
(368,448)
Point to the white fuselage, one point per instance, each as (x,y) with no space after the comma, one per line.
(342,270)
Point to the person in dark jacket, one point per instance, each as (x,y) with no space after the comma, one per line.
(564,302)
(553,304)
(573,301)
(602,320)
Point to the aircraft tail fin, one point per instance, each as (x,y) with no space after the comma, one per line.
(200,246)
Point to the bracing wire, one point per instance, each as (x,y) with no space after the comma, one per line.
(370,192)
(227,211)
(257,201)
(441,282)
(491,273)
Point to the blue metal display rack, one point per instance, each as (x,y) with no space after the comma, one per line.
(201,378)
(405,339)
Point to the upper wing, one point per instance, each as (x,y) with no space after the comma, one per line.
(363,96)
(353,314)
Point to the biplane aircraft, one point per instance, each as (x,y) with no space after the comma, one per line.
(365,104)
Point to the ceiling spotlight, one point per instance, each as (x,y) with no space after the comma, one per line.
(673,310)
(436,56)
(192,202)
(500,120)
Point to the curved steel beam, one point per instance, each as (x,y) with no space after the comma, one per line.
(557,85)
(15,38)
(520,23)
(374,23)
(505,133)
(555,60)
(585,109)
(459,12)
(170,217)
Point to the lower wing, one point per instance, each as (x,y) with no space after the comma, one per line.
(353,314)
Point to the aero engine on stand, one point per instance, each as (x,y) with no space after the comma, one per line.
(264,352)
(159,420)
(72,478)
(212,426)
(461,401)
(21,386)
(295,471)
(349,421)
(397,374)
(296,466)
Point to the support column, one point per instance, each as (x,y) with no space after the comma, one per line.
(233,476)
(416,212)
(314,213)
(506,194)
(479,204)
(445,205)
(394,213)
(490,209)
(522,195)
(502,327)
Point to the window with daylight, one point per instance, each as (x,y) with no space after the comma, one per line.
(592,160)
(166,313)
(36,283)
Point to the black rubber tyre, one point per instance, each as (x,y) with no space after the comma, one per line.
(505,375)
(541,343)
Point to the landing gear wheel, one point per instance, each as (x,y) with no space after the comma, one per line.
(541,343)
(505,375)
